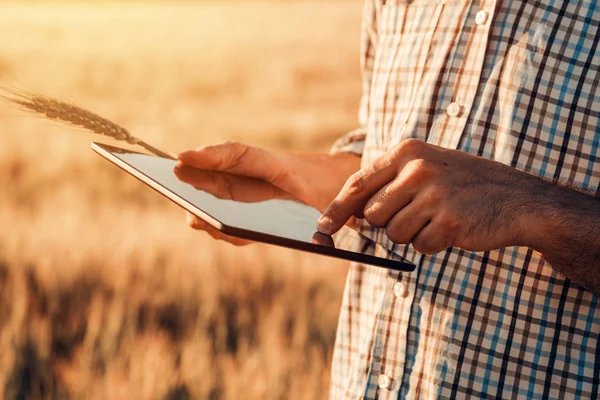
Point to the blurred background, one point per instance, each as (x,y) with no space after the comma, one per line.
(105,293)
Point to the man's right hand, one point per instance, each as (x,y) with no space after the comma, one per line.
(313,179)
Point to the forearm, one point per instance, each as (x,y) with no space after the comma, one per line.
(564,227)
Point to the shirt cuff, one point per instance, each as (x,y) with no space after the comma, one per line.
(353,142)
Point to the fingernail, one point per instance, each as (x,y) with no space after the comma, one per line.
(324,225)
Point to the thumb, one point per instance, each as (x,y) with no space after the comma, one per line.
(236,158)
(219,157)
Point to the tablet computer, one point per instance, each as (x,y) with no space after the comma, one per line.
(251,209)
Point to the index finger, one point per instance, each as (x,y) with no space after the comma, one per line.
(357,190)
(362,185)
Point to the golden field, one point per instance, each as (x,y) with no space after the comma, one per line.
(105,293)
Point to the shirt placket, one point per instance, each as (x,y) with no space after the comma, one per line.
(470,68)
(404,286)
(400,290)
(396,122)
(391,338)
(421,63)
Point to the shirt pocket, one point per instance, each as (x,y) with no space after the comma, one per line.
(545,125)
(405,31)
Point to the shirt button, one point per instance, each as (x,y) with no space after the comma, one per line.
(454,110)
(481,17)
(385,382)
(400,289)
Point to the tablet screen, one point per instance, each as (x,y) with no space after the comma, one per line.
(251,208)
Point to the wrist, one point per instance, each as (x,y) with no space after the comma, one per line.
(536,221)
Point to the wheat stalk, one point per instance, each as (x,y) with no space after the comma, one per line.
(62,111)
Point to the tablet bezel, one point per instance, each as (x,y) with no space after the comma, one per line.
(106,152)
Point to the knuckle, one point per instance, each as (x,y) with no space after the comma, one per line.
(237,151)
(355,184)
(229,143)
(433,197)
(429,244)
(410,145)
(373,216)
(227,154)
(228,146)
(449,221)
(391,233)
(333,209)
(369,214)
(238,148)
(420,167)
(394,233)
(423,244)
(203,147)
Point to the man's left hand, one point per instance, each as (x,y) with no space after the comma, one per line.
(436,198)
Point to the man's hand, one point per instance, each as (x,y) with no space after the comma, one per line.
(434,198)
(313,179)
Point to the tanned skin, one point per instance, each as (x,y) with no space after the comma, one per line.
(431,197)
(436,198)
(314,179)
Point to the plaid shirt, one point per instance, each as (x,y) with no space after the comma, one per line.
(516,81)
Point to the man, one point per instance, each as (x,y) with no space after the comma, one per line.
(466,105)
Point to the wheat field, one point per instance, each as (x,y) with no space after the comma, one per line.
(105,293)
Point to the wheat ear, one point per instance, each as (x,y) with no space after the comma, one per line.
(65,112)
